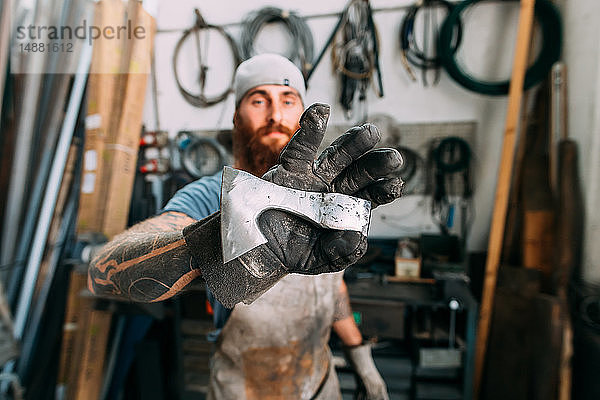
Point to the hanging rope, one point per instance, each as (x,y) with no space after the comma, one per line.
(201,100)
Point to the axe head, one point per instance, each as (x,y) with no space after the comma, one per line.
(244,197)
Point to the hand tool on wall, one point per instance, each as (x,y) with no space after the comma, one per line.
(503,185)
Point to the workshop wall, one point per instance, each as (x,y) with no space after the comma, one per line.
(582,55)
(488,42)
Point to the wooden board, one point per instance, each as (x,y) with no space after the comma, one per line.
(503,185)
(525,339)
(69,356)
(102,92)
(524,347)
(91,371)
(123,152)
(115,113)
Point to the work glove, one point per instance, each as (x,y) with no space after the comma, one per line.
(370,384)
(348,166)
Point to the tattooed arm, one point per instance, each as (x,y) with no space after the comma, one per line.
(148,262)
(343,320)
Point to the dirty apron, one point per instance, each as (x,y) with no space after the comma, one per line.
(276,347)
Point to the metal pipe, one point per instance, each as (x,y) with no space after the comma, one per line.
(39,243)
(53,186)
(21,162)
(52,124)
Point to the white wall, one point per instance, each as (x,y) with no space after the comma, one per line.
(581,54)
(488,44)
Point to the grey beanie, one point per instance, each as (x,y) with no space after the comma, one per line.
(267,69)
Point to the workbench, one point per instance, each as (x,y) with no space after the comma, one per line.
(381,299)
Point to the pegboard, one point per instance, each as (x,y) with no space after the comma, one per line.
(418,138)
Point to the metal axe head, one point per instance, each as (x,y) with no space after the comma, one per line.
(244,197)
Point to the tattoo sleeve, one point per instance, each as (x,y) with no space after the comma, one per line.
(149,262)
(342,304)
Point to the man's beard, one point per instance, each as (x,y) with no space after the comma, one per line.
(253,151)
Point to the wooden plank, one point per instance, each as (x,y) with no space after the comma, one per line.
(89,382)
(503,185)
(69,356)
(524,348)
(102,92)
(125,147)
(546,332)
(508,369)
(525,339)
(118,156)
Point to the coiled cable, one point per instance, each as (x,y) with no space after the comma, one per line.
(356,54)
(450,157)
(302,46)
(549,20)
(410,51)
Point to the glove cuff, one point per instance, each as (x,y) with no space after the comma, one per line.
(232,282)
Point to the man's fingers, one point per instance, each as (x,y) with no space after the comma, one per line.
(345,150)
(300,152)
(342,248)
(382,192)
(371,167)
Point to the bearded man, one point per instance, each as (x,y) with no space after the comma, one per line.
(274,326)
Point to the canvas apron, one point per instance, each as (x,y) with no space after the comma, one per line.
(276,347)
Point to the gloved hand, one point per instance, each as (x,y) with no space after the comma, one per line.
(370,383)
(348,166)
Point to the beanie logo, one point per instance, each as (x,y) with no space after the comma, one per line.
(286,82)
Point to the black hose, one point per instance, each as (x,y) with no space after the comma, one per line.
(549,20)
(411,53)
(452,155)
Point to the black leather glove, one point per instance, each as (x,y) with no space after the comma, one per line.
(348,166)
